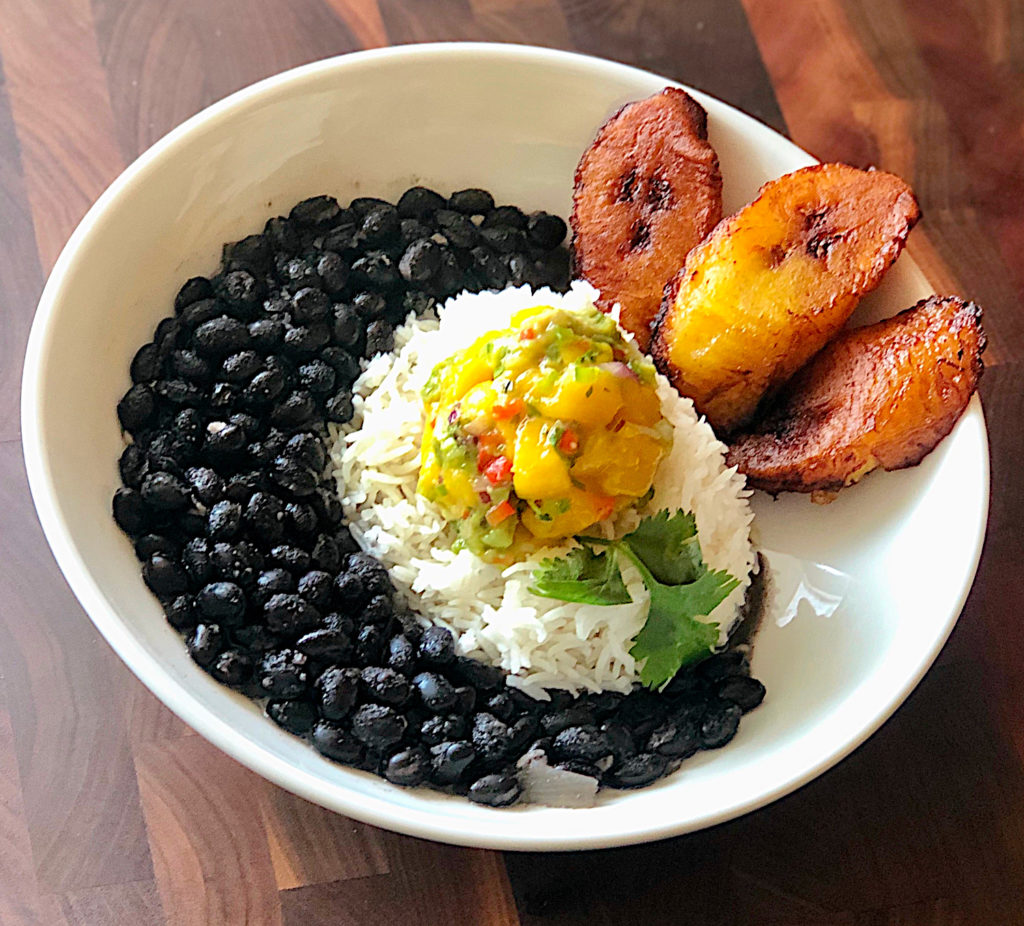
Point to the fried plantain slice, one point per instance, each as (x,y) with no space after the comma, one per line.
(883,395)
(647,190)
(775,282)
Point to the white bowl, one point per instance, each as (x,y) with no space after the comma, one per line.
(514,120)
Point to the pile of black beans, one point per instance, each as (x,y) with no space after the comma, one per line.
(241,536)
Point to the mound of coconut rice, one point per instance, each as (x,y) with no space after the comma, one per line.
(542,642)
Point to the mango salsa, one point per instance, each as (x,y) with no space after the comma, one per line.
(537,432)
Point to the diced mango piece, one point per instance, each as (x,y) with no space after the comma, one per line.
(619,463)
(640,403)
(590,399)
(539,470)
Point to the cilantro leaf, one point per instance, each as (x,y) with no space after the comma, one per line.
(672,636)
(582,576)
(668,547)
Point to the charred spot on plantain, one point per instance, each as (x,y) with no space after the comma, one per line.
(659,193)
(628,187)
(821,238)
(640,236)
(775,255)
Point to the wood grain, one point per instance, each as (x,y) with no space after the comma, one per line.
(112,811)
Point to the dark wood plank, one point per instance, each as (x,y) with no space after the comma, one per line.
(144,44)
(62,113)
(136,902)
(209,847)
(428,883)
(80,798)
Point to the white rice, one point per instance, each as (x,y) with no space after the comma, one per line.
(543,643)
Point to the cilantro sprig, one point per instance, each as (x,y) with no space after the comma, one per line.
(666,552)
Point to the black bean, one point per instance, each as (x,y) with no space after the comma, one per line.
(471,202)
(315,212)
(369,644)
(412,229)
(326,553)
(252,252)
(420,261)
(272,582)
(165,576)
(296,717)
(449,761)
(264,514)
(378,726)
(369,306)
(363,204)
(223,439)
(347,329)
(188,365)
(419,201)
(720,724)
(492,269)
(192,290)
(588,744)
(375,270)
(295,410)
(523,732)
(437,647)
(264,387)
(130,511)
(221,336)
(283,674)
(478,674)
(145,366)
(241,367)
(292,476)
(300,517)
(490,737)
(315,587)
(401,654)
(305,340)
(310,304)
(502,706)
(223,396)
(290,614)
(380,224)
(436,693)
(385,685)
(222,603)
(294,559)
(131,465)
(345,366)
(437,729)
(378,610)
(317,377)
(224,520)
(205,643)
(545,230)
(195,557)
(505,216)
(504,240)
(191,523)
(266,334)
(675,739)
(231,668)
(500,790)
(242,292)
(576,715)
(238,562)
(281,235)
(333,271)
(136,407)
(337,744)
(327,644)
(339,408)
(458,229)
(181,613)
(419,303)
(408,767)
(620,740)
(637,771)
(336,692)
(742,690)
(465,700)
(257,639)
(202,311)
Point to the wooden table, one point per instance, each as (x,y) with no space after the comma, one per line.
(112,811)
